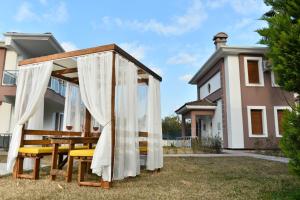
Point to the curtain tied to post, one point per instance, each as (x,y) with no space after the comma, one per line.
(31,87)
(95,83)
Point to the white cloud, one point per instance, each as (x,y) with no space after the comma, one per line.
(135,49)
(244,7)
(215,3)
(186,77)
(248,6)
(25,12)
(57,14)
(157,70)
(189,21)
(69,46)
(183,58)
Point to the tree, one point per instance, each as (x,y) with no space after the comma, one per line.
(171,127)
(282,36)
(290,142)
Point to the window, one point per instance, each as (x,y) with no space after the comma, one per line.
(253,71)
(274,78)
(257,121)
(278,116)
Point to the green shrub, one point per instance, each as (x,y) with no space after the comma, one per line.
(208,144)
(290,142)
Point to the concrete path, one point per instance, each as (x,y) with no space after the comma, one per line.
(233,153)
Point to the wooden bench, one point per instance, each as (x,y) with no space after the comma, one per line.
(38,149)
(85,157)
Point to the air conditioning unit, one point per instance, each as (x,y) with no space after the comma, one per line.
(266,65)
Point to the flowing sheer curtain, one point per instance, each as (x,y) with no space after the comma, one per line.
(142,106)
(127,162)
(155,148)
(95,83)
(32,84)
(73,109)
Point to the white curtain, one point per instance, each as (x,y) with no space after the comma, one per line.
(127,162)
(155,148)
(32,84)
(95,83)
(73,109)
(35,122)
(142,106)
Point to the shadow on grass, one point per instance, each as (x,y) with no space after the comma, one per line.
(287,194)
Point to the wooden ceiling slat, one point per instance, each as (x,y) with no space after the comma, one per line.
(143,80)
(65,71)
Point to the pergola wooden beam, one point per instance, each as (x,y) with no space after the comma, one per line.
(72,80)
(110,47)
(140,71)
(143,80)
(65,71)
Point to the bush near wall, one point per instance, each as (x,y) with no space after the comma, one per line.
(208,145)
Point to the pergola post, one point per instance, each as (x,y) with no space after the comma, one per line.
(193,125)
(87,123)
(113,117)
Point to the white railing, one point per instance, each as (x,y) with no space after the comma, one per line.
(10,78)
(185,141)
(57,86)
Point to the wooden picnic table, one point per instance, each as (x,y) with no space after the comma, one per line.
(57,159)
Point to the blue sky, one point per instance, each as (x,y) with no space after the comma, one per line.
(172,37)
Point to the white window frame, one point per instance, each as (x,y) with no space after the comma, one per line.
(276,108)
(273,80)
(260,72)
(265,125)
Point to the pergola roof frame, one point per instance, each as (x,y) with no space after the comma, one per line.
(110,47)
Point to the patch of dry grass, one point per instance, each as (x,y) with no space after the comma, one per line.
(177,150)
(3,158)
(181,178)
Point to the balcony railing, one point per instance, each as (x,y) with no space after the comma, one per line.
(57,86)
(10,78)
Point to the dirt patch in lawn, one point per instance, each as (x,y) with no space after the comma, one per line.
(181,178)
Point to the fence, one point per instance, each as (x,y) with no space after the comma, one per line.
(4,141)
(179,142)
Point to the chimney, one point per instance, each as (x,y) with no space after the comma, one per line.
(220,39)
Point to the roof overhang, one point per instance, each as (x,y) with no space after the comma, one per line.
(187,108)
(32,45)
(220,53)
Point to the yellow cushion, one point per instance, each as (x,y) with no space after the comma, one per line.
(143,149)
(85,152)
(37,150)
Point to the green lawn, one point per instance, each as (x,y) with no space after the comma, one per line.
(181,178)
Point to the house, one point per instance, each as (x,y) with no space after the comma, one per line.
(238,99)
(16,47)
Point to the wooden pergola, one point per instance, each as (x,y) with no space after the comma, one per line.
(65,68)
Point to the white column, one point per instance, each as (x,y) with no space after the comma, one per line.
(233,103)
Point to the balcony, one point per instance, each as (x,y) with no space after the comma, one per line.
(10,78)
